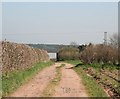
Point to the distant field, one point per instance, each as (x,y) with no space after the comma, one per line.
(51,48)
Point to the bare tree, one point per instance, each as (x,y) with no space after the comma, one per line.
(73,44)
(114,40)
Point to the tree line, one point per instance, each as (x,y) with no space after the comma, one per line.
(91,53)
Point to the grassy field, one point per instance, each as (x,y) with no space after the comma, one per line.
(93,89)
(11,81)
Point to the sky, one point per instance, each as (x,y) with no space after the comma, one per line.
(58,22)
(60,0)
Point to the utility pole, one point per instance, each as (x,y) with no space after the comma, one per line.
(105,38)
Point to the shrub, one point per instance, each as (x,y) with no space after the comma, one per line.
(99,53)
(20,56)
(68,53)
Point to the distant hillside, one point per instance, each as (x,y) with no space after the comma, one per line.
(49,47)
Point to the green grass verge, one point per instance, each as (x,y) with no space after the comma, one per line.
(11,81)
(50,89)
(93,89)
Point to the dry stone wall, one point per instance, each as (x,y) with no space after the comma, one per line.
(20,56)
